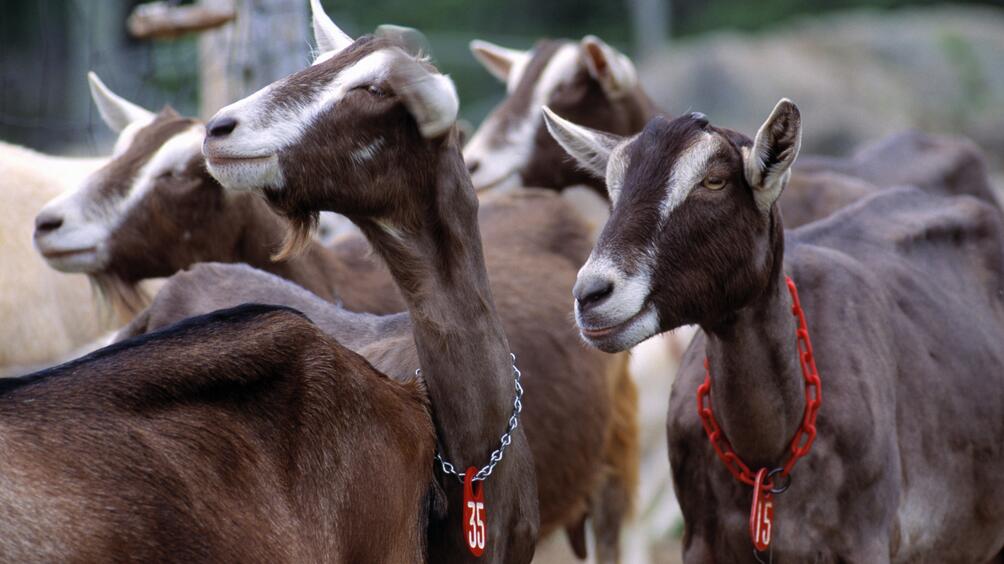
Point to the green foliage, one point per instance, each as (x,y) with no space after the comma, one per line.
(971,76)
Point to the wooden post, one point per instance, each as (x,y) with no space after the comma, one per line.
(650,23)
(267,41)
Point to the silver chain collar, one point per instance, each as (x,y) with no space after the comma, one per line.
(517,407)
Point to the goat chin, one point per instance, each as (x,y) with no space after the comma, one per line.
(47,314)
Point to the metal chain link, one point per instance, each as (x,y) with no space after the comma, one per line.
(506,440)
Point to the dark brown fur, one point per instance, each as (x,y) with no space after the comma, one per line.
(286,447)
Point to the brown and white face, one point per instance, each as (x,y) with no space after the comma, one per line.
(588,82)
(689,237)
(343,135)
(149,199)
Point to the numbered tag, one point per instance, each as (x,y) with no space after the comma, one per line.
(475,518)
(761,514)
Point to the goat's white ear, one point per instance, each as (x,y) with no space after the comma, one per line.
(612,69)
(496,59)
(409,39)
(114,109)
(768,163)
(589,147)
(327,35)
(431,98)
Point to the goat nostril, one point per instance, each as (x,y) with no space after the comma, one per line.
(47,223)
(221,126)
(473,167)
(592,291)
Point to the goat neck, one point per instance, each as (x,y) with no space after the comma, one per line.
(436,259)
(756,380)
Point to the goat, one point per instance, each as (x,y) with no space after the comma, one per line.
(243,435)
(153,209)
(903,293)
(63,314)
(292,143)
(588,82)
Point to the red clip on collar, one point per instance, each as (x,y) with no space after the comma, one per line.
(806,434)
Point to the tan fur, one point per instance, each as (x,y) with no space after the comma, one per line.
(613,502)
(623,445)
(46,314)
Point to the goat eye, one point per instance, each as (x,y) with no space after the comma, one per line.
(713,183)
(374,90)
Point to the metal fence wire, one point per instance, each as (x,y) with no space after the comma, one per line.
(47,47)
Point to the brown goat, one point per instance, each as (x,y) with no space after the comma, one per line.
(154,210)
(292,142)
(246,435)
(903,293)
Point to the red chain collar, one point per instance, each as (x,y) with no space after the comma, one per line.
(806,434)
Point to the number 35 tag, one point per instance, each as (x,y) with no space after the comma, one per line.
(474,513)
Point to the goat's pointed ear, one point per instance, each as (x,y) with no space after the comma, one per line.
(431,98)
(612,69)
(115,110)
(590,148)
(768,163)
(409,39)
(327,35)
(496,59)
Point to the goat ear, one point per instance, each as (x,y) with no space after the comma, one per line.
(496,59)
(768,163)
(327,35)
(589,147)
(115,110)
(431,98)
(612,69)
(409,39)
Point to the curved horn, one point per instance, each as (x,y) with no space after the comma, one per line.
(327,35)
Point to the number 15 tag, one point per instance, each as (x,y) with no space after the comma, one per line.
(474,513)
(761,513)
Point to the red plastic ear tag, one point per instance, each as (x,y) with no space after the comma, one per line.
(475,517)
(762,513)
